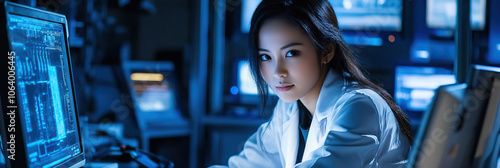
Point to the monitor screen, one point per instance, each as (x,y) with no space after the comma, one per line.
(154,91)
(442,14)
(246,83)
(44,87)
(247,9)
(415,86)
(493,56)
(383,15)
(154,94)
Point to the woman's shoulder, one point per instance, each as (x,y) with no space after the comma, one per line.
(356,112)
(368,103)
(364,97)
(358,101)
(362,102)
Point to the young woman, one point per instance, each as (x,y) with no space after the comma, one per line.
(329,114)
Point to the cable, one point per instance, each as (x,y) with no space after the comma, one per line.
(162,161)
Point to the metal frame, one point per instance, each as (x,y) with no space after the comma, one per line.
(198,79)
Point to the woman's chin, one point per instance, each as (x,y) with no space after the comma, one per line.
(287,98)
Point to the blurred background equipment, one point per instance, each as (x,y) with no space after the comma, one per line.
(154,92)
(171,80)
(415,87)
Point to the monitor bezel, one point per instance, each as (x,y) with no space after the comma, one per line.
(470,119)
(8,9)
(433,120)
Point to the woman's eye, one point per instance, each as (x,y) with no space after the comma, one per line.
(292,53)
(264,57)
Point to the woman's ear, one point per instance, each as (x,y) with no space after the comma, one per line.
(329,54)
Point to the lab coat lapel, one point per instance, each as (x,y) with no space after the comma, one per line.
(290,138)
(314,139)
(332,89)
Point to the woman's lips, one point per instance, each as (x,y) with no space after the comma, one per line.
(283,87)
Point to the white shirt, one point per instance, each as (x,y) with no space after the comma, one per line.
(351,127)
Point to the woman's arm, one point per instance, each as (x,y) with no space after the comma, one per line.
(260,150)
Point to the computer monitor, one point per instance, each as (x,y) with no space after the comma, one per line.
(246,83)
(442,14)
(154,93)
(493,54)
(435,127)
(461,124)
(486,82)
(247,9)
(383,15)
(351,14)
(488,145)
(156,100)
(415,85)
(247,88)
(39,114)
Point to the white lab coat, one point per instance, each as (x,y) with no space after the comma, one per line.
(351,127)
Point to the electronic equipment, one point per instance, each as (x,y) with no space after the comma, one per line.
(246,83)
(247,88)
(351,14)
(442,14)
(435,127)
(154,93)
(247,9)
(461,129)
(155,98)
(145,158)
(493,54)
(415,85)
(369,15)
(39,117)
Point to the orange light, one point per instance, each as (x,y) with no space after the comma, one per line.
(146,77)
(392,38)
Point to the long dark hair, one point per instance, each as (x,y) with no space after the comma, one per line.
(317,18)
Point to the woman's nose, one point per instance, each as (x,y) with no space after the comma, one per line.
(280,70)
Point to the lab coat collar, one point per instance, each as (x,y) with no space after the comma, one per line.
(290,144)
(333,88)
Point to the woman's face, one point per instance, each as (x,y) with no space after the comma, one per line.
(288,60)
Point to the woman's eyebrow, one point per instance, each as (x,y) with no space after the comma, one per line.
(284,47)
(290,45)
